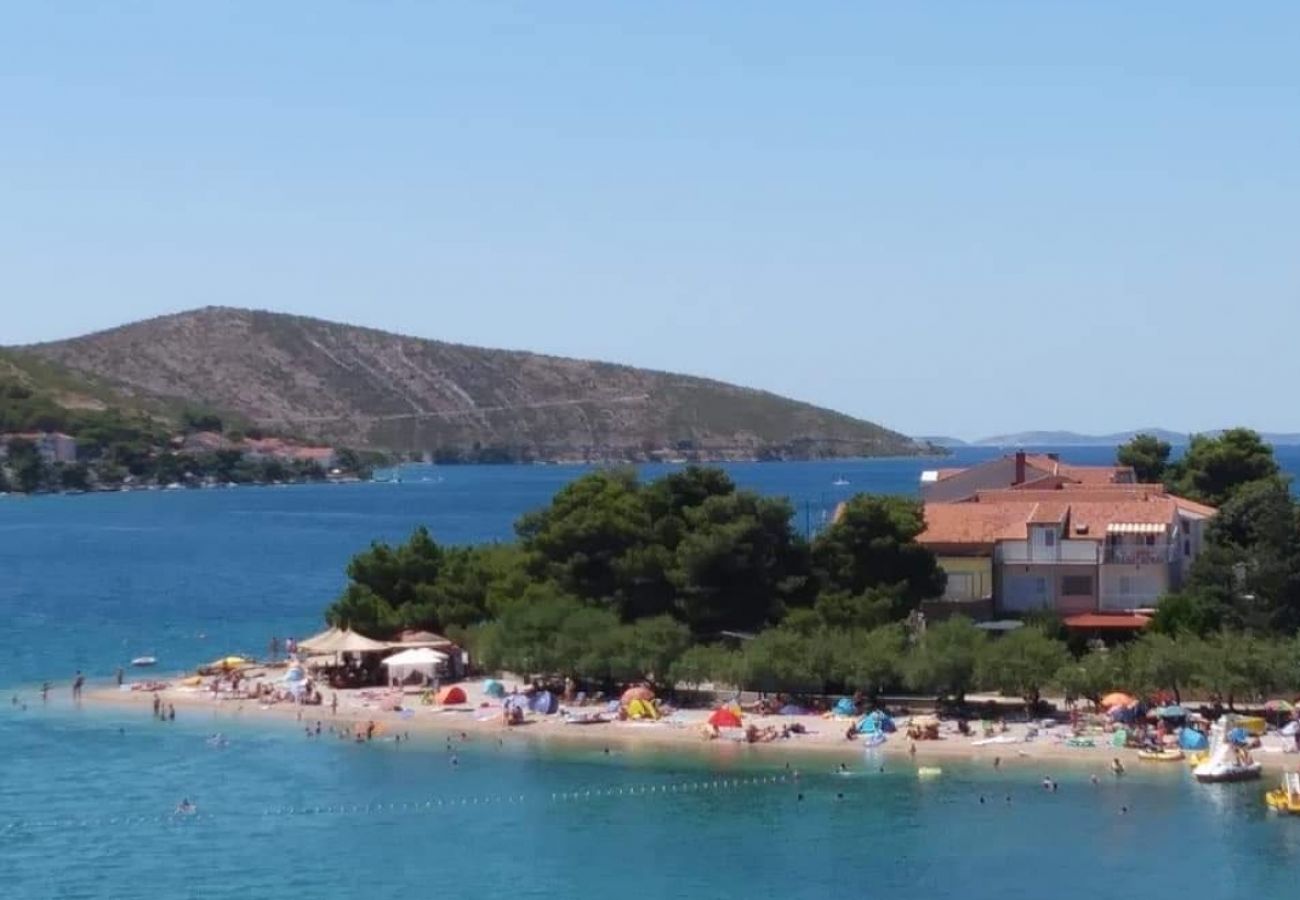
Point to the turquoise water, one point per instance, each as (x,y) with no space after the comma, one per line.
(89,582)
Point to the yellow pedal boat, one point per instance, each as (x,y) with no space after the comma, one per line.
(1169,755)
(1286,799)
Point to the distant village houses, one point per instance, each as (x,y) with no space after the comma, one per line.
(260,448)
(52,446)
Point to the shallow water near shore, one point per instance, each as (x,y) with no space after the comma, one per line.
(88,800)
(87,796)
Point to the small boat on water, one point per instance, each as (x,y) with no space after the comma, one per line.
(144,662)
(1168,755)
(1285,800)
(840,481)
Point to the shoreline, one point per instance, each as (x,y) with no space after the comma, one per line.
(680,731)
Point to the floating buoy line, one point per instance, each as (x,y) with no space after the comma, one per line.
(178,818)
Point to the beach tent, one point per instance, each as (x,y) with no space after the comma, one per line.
(516,701)
(543,702)
(1117,698)
(845,707)
(637,708)
(791,709)
(725,718)
(423,660)
(876,722)
(450,695)
(1191,739)
(640,692)
(494,688)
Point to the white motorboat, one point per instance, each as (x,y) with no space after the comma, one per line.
(144,662)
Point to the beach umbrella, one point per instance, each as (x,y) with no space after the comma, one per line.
(1170,712)
(1278,706)
(1238,736)
(725,718)
(1117,698)
(639,692)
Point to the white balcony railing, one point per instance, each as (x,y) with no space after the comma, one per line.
(1062,553)
(1141,555)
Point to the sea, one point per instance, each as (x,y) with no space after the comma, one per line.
(88,794)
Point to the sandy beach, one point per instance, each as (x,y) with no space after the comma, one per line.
(480,718)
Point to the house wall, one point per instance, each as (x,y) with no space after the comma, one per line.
(1125,587)
(1030,588)
(970,578)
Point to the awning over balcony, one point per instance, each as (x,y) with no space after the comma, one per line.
(1126,621)
(1135,528)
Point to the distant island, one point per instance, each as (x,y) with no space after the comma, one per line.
(320,383)
(1075,439)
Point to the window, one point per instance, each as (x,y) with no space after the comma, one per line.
(1049,537)
(1151,540)
(961,586)
(1076,586)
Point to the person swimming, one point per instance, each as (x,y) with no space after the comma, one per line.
(186,808)
(1116,766)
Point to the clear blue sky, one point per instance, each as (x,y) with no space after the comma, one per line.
(959,218)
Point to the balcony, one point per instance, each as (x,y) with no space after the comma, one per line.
(1070,553)
(1123,554)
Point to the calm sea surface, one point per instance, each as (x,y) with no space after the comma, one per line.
(90,582)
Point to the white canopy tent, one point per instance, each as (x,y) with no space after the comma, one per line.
(423,660)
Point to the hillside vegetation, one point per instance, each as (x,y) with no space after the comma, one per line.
(352,386)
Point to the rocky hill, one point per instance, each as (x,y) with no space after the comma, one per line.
(360,387)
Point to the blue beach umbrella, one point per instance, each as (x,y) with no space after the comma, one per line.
(1238,736)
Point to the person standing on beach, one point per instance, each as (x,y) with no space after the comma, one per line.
(334,703)
(120,675)
(77,684)
(274,648)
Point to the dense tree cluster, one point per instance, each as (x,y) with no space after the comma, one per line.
(1248,576)
(689,580)
(617,578)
